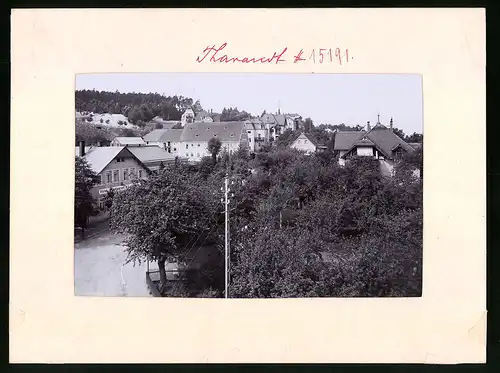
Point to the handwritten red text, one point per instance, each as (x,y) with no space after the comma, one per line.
(323,55)
(214,55)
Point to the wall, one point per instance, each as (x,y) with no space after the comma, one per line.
(364,151)
(303,144)
(129,162)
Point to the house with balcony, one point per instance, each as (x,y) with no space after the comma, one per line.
(258,134)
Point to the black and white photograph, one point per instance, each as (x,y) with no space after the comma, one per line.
(248,185)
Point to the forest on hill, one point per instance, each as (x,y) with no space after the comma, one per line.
(141,108)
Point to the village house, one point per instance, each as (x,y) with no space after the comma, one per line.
(258,134)
(278,123)
(378,142)
(203,116)
(187,117)
(127,141)
(167,139)
(308,144)
(115,167)
(152,156)
(195,137)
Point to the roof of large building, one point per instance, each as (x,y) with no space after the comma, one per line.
(151,154)
(130,140)
(379,136)
(163,135)
(224,131)
(99,157)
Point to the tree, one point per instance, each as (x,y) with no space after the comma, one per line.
(85,179)
(308,125)
(162,165)
(158,126)
(214,147)
(162,214)
(399,132)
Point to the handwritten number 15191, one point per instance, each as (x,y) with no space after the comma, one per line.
(323,55)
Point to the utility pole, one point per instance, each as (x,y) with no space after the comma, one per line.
(226,246)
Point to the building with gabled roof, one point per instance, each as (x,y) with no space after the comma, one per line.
(167,139)
(127,141)
(379,142)
(195,137)
(153,156)
(307,143)
(115,166)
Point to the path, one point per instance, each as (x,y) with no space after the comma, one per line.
(100,268)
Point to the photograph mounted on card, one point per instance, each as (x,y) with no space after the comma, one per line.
(248,193)
(262,196)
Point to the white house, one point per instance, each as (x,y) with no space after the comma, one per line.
(128,141)
(195,137)
(167,139)
(306,143)
(203,116)
(187,116)
(258,134)
(115,167)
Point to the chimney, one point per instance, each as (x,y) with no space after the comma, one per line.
(368,127)
(390,124)
(82,148)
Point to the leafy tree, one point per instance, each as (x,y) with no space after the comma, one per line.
(85,179)
(158,126)
(308,125)
(414,137)
(399,132)
(214,147)
(162,214)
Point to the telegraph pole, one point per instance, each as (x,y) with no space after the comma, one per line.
(226,246)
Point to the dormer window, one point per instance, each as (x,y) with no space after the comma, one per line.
(225,127)
(215,134)
(232,135)
(197,135)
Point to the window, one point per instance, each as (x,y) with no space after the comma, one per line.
(198,145)
(192,155)
(225,127)
(175,149)
(108,177)
(125,174)
(116,176)
(187,146)
(249,139)
(249,131)
(197,135)
(215,135)
(197,154)
(232,135)
(132,173)
(192,144)
(140,174)
(305,141)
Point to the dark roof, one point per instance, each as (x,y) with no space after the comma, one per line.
(345,139)
(379,136)
(224,131)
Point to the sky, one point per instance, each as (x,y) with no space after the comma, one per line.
(325,98)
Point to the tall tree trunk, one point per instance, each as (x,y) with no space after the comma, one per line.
(214,158)
(163,273)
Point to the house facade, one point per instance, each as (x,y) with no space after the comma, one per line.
(167,139)
(195,137)
(379,142)
(258,134)
(306,143)
(116,167)
(187,116)
(127,141)
(203,116)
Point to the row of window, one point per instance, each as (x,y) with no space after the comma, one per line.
(115,176)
